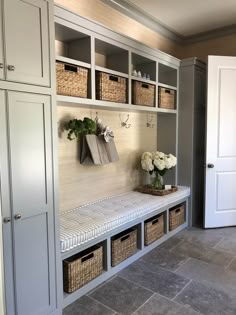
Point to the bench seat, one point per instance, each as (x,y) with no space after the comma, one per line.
(83,224)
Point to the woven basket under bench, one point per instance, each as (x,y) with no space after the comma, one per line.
(82,268)
(153,229)
(123,246)
(176,217)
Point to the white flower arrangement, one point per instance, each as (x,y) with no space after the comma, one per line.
(157,162)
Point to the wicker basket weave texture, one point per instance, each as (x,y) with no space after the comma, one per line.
(80,271)
(153,229)
(71,80)
(176,217)
(123,247)
(143,94)
(110,87)
(166,98)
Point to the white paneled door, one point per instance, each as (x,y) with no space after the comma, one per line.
(220,190)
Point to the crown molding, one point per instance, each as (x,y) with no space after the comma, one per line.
(144,18)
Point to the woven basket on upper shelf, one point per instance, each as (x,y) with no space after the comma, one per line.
(82,268)
(153,229)
(110,87)
(71,80)
(176,217)
(166,98)
(123,246)
(143,94)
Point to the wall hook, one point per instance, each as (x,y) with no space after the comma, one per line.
(149,122)
(125,123)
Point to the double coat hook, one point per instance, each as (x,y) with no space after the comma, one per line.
(125,123)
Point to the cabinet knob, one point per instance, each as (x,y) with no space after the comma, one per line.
(1,65)
(210,165)
(11,68)
(7,220)
(17,216)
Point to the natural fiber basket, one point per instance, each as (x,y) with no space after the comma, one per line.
(176,217)
(148,189)
(71,80)
(82,268)
(143,94)
(166,98)
(110,88)
(153,229)
(123,246)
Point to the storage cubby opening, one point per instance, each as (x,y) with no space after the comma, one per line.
(111,57)
(143,93)
(167,98)
(146,66)
(167,75)
(72,44)
(177,216)
(154,228)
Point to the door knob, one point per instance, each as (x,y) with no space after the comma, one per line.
(11,68)
(1,65)
(7,220)
(210,165)
(17,216)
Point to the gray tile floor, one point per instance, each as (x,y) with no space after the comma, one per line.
(192,273)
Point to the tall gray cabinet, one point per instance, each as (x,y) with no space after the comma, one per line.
(191,134)
(26,159)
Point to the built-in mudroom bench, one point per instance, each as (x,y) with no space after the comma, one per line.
(101,238)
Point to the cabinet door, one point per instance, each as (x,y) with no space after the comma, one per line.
(30,154)
(27,41)
(1,44)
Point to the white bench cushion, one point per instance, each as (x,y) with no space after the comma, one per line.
(87,222)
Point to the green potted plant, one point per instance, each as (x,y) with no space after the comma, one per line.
(78,127)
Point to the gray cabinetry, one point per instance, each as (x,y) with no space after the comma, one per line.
(191,142)
(28,206)
(1,44)
(26,39)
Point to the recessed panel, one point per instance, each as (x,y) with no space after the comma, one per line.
(225,194)
(227,113)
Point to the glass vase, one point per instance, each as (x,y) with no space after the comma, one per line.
(158,182)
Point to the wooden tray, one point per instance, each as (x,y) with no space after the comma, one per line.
(148,189)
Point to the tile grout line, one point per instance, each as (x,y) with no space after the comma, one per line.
(190,280)
(176,245)
(182,264)
(92,298)
(218,243)
(143,304)
(138,285)
(101,285)
(227,266)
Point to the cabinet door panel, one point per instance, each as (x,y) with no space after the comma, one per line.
(29,117)
(1,44)
(27,41)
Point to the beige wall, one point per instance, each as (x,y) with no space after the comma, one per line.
(100,12)
(79,184)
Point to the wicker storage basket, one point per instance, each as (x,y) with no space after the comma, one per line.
(82,268)
(110,87)
(123,246)
(166,98)
(71,80)
(143,94)
(153,229)
(176,217)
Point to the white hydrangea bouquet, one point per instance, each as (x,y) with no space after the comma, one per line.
(158,163)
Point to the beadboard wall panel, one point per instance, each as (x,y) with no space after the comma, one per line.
(80,184)
(98,11)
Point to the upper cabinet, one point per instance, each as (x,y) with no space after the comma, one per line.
(1,45)
(26,41)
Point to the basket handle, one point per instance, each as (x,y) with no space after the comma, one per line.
(155,221)
(167,91)
(145,86)
(177,210)
(125,237)
(70,68)
(87,257)
(113,78)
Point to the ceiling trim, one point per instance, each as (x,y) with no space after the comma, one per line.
(144,18)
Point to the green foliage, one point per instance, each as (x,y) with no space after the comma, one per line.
(78,127)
